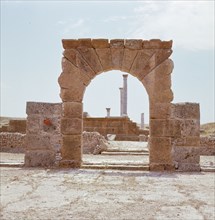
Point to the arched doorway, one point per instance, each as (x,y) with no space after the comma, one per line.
(115,138)
(146,60)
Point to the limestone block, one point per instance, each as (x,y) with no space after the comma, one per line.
(85,42)
(39,158)
(33,124)
(190,127)
(70,164)
(160,150)
(71,75)
(185,111)
(71,147)
(157,44)
(139,63)
(165,128)
(156,59)
(117,57)
(166,44)
(71,126)
(70,43)
(38,142)
(117,43)
(161,167)
(77,60)
(133,44)
(71,55)
(128,59)
(91,58)
(151,44)
(160,110)
(72,110)
(186,154)
(193,141)
(186,158)
(34,108)
(105,58)
(100,43)
(165,96)
(73,94)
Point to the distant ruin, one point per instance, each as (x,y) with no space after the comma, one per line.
(174,129)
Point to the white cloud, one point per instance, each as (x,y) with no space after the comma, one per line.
(189,23)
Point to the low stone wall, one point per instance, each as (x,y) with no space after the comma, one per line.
(12,142)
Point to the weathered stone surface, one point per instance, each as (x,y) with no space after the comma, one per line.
(105,58)
(117,43)
(77,60)
(71,55)
(91,58)
(38,142)
(71,147)
(100,43)
(128,59)
(71,126)
(158,83)
(160,150)
(73,94)
(139,63)
(93,143)
(72,74)
(185,111)
(160,110)
(33,124)
(117,57)
(133,44)
(12,142)
(186,141)
(190,127)
(39,158)
(70,43)
(85,42)
(161,167)
(72,110)
(157,44)
(43,108)
(165,128)
(186,158)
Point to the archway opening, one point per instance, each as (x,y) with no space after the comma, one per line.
(110,137)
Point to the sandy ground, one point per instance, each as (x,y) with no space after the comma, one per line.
(98,194)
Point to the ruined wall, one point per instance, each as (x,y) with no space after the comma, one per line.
(186,139)
(123,127)
(12,142)
(43,139)
(15,125)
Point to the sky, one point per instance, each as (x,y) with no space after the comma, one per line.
(31,51)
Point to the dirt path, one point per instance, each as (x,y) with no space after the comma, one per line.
(98,194)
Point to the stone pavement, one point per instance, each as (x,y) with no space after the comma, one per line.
(81,194)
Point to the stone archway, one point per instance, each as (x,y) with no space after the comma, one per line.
(148,61)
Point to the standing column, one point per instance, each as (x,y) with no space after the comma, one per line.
(121,101)
(142,121)
(108,112)
(125,76)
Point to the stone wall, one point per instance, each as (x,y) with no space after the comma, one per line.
(122,127)
(43,138)
(15,125)
(186,139)
(12,142)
